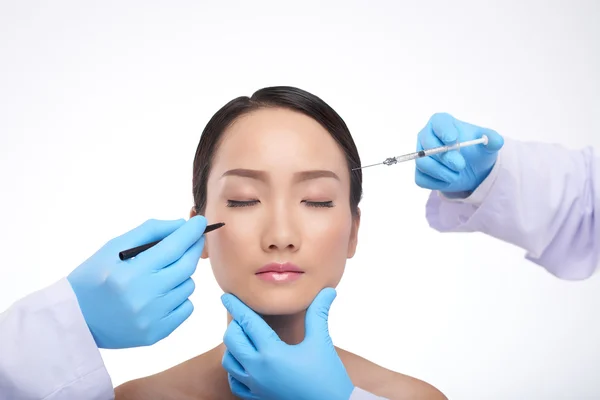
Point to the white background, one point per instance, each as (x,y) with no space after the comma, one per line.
(101,109)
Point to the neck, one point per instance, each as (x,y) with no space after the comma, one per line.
(289,328)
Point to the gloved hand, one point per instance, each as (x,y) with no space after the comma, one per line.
(261,366)
(139,301)
(455,171)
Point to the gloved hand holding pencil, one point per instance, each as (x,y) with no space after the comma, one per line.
(140,301)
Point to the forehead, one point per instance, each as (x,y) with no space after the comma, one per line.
(279,140)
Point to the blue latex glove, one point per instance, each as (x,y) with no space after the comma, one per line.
(455,171)
(139,301)
(261,366)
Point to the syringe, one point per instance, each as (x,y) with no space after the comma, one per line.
(429,152)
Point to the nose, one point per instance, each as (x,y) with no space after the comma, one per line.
(282,232)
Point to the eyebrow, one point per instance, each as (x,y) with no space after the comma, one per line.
(298,176)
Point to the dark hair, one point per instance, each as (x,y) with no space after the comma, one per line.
(273,97)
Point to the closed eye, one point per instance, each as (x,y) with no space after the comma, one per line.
(248,203)
(238,203)
(326,204)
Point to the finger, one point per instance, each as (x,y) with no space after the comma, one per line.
(427,139)
(442,126)
(452,159)
(234,368)
(436,169)
(148,232)
(171,248)
(427,182)
(239,345)
(165,304)
(317,315)
(181,270)
(240,390)
(257,330)
(165,326)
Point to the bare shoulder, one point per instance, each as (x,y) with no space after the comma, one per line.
(400,387)
(154,387)
(143,388)
(184,381)
(386,383)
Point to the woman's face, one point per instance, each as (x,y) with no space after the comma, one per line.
(282,186)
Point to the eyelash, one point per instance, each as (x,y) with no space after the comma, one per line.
(316,204)
(319,204)
(236,203)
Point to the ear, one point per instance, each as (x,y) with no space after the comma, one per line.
(204,254)
(353,242)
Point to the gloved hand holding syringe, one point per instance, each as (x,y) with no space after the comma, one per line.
(452,156)
(429,152)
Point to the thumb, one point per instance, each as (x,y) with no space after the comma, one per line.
(495,141)
(317,314)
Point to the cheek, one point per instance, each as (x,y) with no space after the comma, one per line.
(228,250)
(327,241)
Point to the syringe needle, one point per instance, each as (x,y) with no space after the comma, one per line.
(367,166)
(429,152)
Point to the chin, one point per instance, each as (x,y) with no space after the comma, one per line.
(280,300)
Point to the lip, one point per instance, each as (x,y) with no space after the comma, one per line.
(279,268)
(279,272)
(279,277)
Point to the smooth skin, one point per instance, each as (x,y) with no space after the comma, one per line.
(276,211)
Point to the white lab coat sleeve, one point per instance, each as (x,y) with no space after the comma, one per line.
(540,197)
(360,394)
(47,351)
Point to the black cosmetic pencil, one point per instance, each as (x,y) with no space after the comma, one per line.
(130,253)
